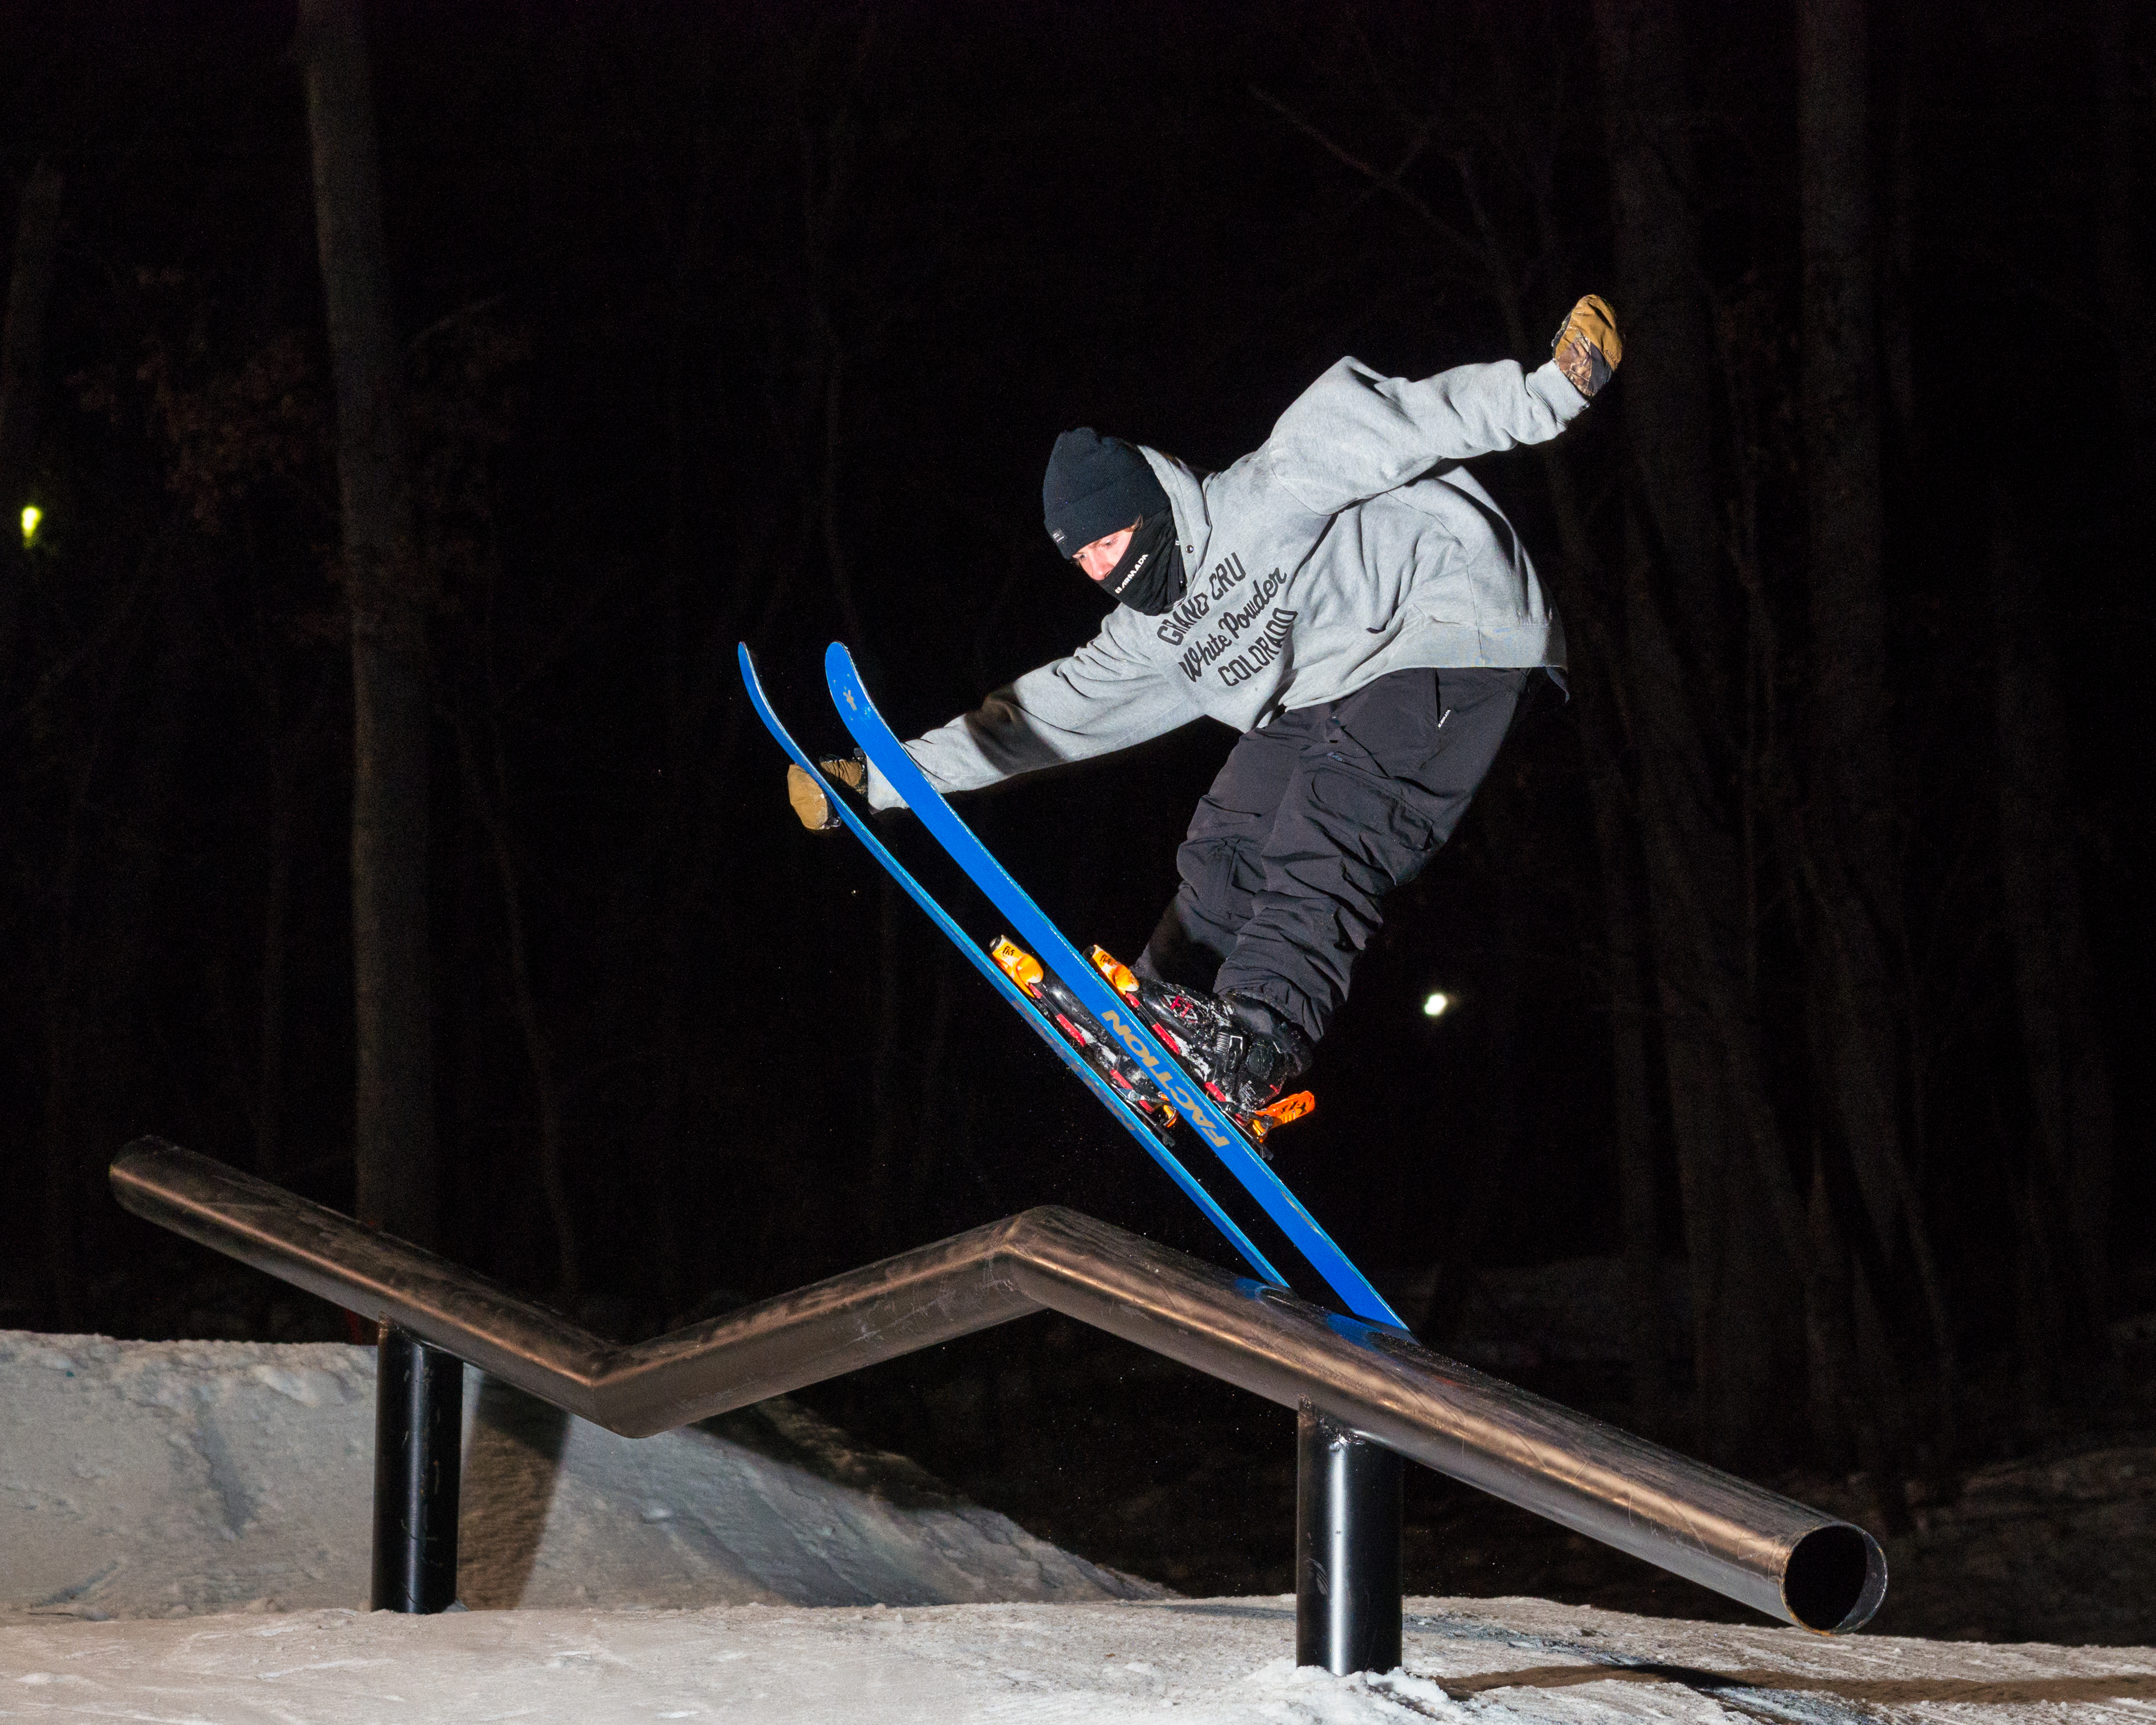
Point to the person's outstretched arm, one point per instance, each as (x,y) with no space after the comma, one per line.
(1102,698)
(1354,433)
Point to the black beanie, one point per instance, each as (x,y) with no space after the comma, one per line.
(1094,486)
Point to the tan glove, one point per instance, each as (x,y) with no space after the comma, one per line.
(812,803)
(1588,348)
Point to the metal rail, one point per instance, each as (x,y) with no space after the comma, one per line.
(1755,1546)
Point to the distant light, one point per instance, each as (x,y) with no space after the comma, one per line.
(1435,1006)
(33,518)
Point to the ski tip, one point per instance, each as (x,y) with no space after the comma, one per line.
(842,679)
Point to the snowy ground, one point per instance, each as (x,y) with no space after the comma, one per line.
(155,1479)
(1197,1661)
(183,1533)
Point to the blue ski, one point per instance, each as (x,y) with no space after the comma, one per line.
(1131,1120)
(1032,926)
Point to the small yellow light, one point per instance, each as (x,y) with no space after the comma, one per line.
(33,518)
(1435,1006)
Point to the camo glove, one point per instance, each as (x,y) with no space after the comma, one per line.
(1588,348)
(812,803)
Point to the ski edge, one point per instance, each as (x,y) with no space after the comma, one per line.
(1132,1121)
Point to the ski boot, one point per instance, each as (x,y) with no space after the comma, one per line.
(1129,1079)
(1243,1052)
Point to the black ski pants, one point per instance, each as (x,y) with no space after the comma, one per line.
(1312,820)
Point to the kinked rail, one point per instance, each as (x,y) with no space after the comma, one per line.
(1360,1383)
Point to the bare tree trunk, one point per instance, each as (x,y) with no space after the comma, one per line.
(929,1128)
(2069,1078)
(1743,1220)
(1847,851)
(1668,395)
(22,360)
(487,801)
(22,345)
(290,755)
(22,355)
(1627,935)
(1835,1399)
(2121,231)
(394,1137)
(895,994)
(276,956)
(1741,1215)
(104,913)
(67,1285)
(1898,311)
(66,1290)
(1624,922)
(1743,1225)
(674,889)
(1850,705)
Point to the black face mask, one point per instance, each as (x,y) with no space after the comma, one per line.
(1149,579)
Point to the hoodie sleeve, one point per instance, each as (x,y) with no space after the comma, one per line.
(1353,433)
(1105,696)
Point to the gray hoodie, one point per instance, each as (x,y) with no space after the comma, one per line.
(1350,545)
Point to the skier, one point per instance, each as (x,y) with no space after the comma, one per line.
(1351,601)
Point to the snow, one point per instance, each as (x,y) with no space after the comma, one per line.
(1197,1661)
(154,1479)
(183,1534)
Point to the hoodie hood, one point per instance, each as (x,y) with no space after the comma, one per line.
(1186,497)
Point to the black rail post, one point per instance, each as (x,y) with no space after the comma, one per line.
(418,1468)
(1346,1548)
